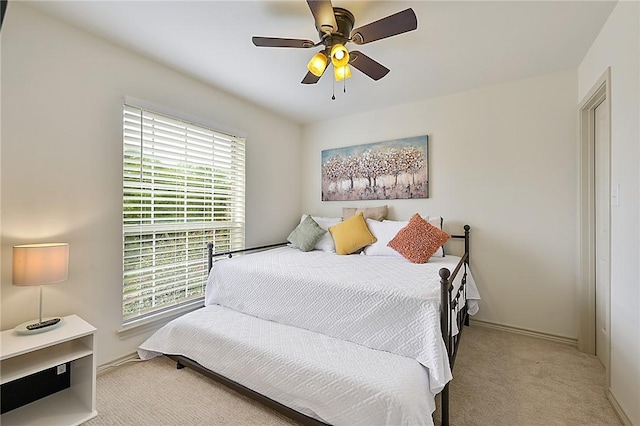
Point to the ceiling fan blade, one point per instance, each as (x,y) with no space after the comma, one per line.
(372,68)
(395,24)
(310,78)
(281,42)
(322,11)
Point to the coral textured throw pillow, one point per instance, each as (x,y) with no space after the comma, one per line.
(419,240)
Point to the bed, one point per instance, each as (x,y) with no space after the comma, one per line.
(367,339)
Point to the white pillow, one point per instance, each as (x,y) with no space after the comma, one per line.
(437,222)
(325,243)
(384,232)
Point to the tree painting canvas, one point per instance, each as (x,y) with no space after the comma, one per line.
(395,169)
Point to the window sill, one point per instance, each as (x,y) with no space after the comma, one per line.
(154,322)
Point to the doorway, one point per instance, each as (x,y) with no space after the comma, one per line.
(595,220)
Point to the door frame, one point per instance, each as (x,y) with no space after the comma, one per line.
(587,235)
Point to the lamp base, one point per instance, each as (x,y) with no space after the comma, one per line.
(36,326)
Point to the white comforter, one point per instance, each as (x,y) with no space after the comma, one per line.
(335,381)
(384,303)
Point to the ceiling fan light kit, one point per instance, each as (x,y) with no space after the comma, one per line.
(335,29)
(339,55)
(342,73)
(318,64)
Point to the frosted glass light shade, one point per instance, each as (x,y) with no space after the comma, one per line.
(339,56)
(317,64)
(342,72)
(36,264)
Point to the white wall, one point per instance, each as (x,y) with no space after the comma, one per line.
(502,159)
(618,47)
(62,95)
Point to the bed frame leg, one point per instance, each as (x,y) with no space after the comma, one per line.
(444,406)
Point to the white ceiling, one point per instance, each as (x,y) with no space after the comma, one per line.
(459,45)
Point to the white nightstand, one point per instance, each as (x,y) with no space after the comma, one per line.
(73,341)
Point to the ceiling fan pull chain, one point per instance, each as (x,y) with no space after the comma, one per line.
(344,86)
(333,90)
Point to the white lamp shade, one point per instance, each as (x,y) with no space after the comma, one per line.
(36,264)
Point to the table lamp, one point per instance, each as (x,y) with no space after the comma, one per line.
(40,264)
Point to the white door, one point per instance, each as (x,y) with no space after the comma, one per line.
(602,222)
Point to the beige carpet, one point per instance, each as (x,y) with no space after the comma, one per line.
(500,378)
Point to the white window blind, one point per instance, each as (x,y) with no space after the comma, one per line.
(183,187)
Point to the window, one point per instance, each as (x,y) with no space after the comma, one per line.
(183,187)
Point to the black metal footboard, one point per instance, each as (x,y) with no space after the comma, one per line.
(453,307)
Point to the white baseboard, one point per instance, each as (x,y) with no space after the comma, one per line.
(116,363)
(523,331)
(618,409)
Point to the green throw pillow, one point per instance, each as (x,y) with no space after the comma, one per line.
(306,235)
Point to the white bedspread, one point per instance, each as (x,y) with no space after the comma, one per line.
(333,380)
(384,303)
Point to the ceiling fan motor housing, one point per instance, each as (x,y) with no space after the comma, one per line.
(345,21)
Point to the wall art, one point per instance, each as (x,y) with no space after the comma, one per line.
(394,169)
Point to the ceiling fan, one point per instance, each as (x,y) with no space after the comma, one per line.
(335,29)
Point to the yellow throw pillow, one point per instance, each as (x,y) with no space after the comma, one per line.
(351,234)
